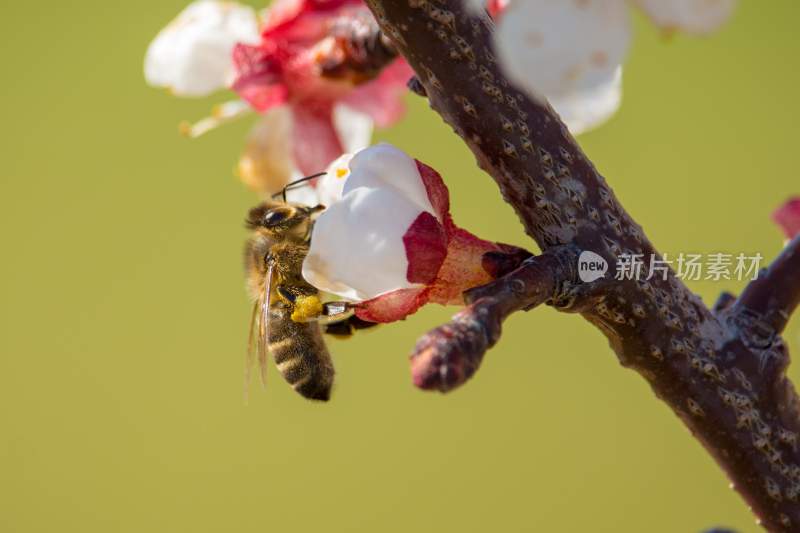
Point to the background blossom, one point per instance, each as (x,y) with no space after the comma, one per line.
(788,218)
(571,51)
(309,119)
(285,69)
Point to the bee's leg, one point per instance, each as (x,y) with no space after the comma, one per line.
(335,319)
(346,328)
(341,329)
(336,311)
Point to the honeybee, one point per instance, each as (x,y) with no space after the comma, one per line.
(285,304)
(288,315)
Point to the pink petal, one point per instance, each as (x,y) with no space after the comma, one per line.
(315,142)
(258,79)
(496,7)
(382,98)
(788,217)
(282,12)
(392,306)
(301,19)
(426,248)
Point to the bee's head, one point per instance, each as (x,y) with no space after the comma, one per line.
(281,221)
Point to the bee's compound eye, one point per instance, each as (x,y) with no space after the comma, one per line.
(275,216)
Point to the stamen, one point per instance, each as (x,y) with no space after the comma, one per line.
(220,114)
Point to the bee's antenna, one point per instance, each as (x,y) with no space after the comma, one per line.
(294,184)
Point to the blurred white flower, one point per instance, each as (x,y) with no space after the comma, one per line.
(692,16)
(192,56)
(387,240)
(571,51)
(584,109)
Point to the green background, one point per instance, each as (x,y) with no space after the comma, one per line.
(124,315)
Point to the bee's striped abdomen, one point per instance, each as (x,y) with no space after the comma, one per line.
(300,354)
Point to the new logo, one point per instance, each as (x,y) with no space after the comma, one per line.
(591,267)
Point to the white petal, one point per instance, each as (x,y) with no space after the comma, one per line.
(555,47)
(585,109)
(357,249)
(330,186)
(693,16)
(267,163)
(192,55)
(382,165)
(385,166)
(354,128)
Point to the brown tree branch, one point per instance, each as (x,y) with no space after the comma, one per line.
(731,392)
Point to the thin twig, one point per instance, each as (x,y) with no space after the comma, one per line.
(776,293)
(449,355)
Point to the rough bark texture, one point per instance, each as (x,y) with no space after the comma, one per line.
(723,373)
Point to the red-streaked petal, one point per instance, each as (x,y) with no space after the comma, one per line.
(382,98)
(426,248)
(437,191)
(788,217)
(463,268)
(392,306)
(315,142)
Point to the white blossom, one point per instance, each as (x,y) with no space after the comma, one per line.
(387,239)
(357,250)
(192,55)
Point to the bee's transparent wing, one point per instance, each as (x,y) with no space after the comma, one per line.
(258,341)
(252,341)
(263,324)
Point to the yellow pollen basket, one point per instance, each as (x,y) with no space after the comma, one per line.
(306,308)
